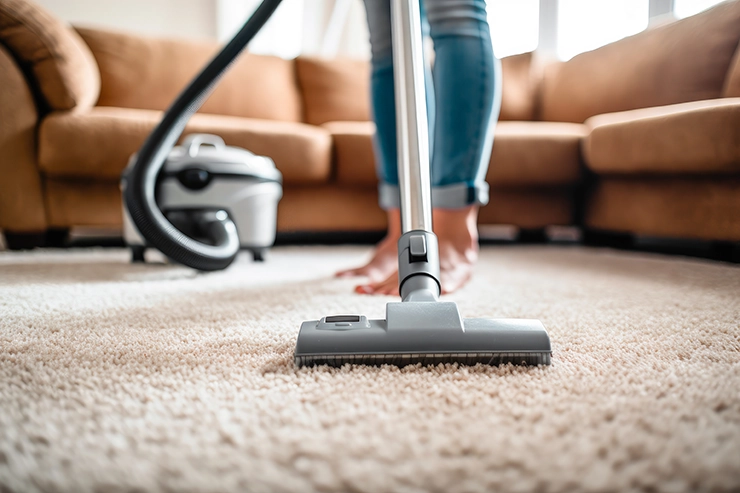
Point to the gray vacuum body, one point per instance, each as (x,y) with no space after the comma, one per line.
(204,176)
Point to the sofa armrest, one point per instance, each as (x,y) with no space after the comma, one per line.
(21,201)
(701,137)
(64,72)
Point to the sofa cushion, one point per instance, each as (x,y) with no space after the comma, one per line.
(334,89)
(338,90)
(520,84)
(148,73)
(98,143)
(353,152)
(687,60)
(53,55)
(732,82)
(696,137)
(540,154)
(525,154)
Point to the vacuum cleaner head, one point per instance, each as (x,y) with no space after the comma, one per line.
(426,332)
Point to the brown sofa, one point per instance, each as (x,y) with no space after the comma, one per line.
(655,118)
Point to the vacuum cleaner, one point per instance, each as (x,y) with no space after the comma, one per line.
(419,328)
(204,177)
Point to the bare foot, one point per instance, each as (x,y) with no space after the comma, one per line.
(457,232)
(385,257)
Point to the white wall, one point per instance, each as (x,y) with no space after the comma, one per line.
(355,40)
(282,35)
(170,18)
(350,38)
(298,26)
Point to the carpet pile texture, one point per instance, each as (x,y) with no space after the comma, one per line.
(118,377)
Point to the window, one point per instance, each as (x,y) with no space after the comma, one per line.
(282,34)
(514,26)
(585,25)
(685,8)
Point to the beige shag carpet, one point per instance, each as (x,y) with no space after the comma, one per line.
(130,378)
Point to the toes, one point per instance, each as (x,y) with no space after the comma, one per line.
(384,290)
(452,281)
(376,270)
(364,289)
(388,286)
(351,272)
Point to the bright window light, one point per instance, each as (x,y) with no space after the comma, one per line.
(282,34)
(584,25)
(514,26)
(685,8)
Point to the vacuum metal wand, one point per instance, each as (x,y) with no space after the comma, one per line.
(411,117)
(418,250)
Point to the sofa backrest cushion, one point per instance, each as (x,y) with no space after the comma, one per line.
(519,87)
(338,90)
(334,89)
(732,82)
(58,65)
(687,60)
(148,73)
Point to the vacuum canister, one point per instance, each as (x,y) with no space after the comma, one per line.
(205,176)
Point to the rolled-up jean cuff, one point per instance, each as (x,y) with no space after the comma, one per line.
(443,197)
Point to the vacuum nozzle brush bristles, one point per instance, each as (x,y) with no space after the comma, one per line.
(401,360)
(429,333)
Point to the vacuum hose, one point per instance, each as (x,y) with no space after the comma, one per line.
(140,181)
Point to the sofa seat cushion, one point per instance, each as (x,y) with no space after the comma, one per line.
(63,69)
(354,159)
(536,154)
(98,143)
(702,137)
(525,154)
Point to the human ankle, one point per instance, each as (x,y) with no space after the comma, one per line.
(394,223)
(457,225)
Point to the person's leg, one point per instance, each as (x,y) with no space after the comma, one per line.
(467,79)
(467,86)
(384,261)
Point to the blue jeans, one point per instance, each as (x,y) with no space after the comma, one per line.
(463,100)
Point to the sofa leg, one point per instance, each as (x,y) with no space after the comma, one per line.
(600,238)
(24,241)
(532,236)
(725,251)
(57,237)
